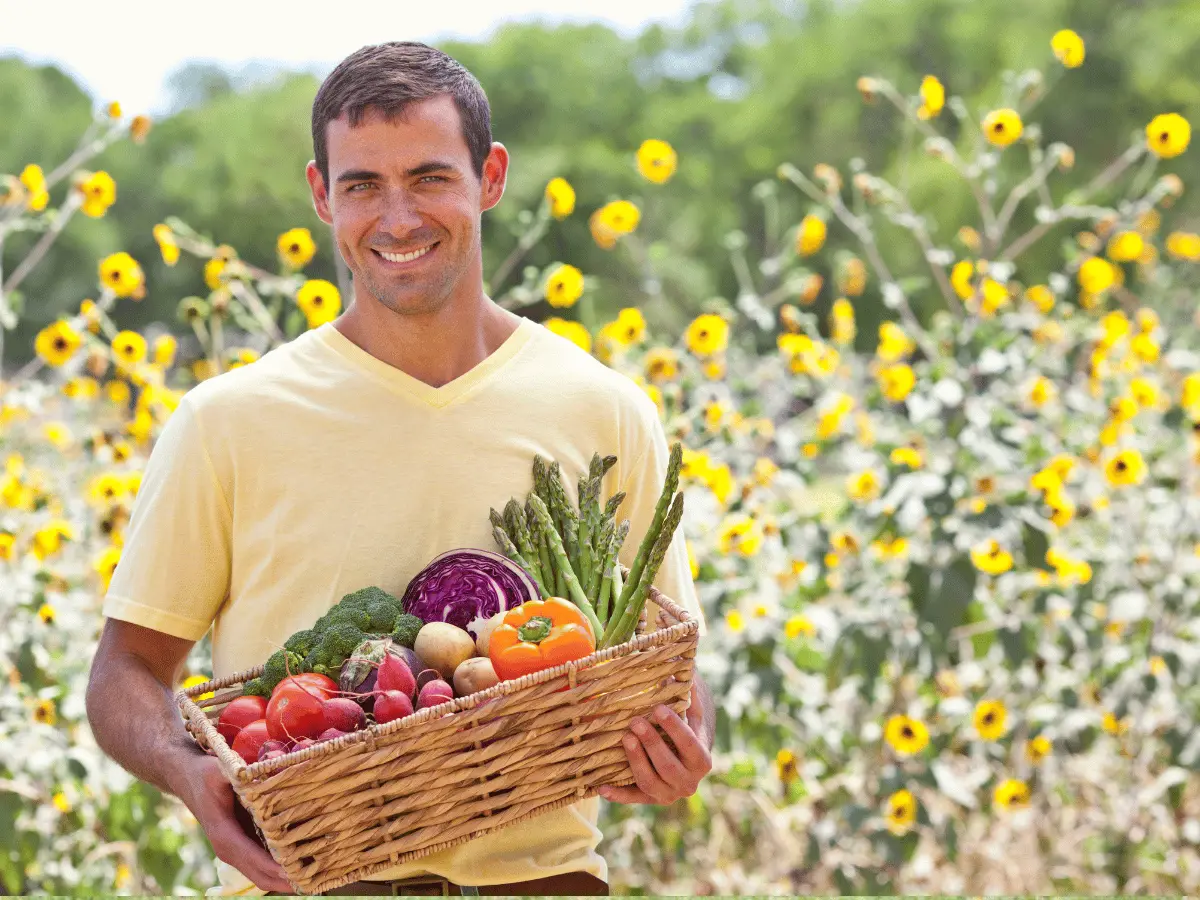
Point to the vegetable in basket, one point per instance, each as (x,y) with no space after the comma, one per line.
(573,552)
(539,635)
(461,587)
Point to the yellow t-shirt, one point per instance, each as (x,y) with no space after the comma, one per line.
(277,488)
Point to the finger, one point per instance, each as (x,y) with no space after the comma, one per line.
(687,742)
(248,857)
(626,794)
(643,772)
(666,763)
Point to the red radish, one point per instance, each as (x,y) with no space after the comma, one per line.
(270,747)
(249,741)
(295,713)
(392,705)
(240,713)
(329,734)
(435,693)
(395,675)
(274,754)
(302,744)
(344,714)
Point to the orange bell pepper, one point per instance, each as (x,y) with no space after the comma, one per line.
(540,634)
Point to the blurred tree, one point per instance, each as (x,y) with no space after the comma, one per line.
(738,88)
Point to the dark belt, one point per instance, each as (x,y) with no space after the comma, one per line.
(569,884)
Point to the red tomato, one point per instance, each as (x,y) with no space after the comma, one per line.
(296,712)
(240,713)
(250,740)
(310,680)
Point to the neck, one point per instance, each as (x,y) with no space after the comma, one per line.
(435,348)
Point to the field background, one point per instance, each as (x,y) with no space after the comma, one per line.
(941,481)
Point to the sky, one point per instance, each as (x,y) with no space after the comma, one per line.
(124,49)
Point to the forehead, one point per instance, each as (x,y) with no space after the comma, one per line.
(426,129)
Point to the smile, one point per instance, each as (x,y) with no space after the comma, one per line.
(406,257)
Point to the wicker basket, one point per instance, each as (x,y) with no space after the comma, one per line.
(345,809)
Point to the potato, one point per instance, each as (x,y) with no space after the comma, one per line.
(473,675)
(443,647)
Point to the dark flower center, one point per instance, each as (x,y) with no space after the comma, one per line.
(1121,465)
(318,300)
(295,248)
(60,343)
(907,732)
(989,718)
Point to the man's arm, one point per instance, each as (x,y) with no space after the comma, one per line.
(133,715)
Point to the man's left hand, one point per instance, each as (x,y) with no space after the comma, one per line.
(663,774)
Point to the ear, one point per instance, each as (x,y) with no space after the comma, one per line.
(495,176)
(320,193)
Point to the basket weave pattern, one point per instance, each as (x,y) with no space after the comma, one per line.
(346,809)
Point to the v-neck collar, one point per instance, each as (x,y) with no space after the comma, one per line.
(401,382)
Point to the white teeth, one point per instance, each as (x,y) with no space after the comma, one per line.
(404,257)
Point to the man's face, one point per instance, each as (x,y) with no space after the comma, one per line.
(404,202)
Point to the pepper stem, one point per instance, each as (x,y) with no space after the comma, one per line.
(536,630)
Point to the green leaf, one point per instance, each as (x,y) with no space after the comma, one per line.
(1036,545)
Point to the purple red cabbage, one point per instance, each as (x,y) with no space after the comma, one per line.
(461,586)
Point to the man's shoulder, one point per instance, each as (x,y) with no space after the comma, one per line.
(274,375)
(575,370)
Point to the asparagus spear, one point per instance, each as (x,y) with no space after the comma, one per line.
(575,591)
(514,518)
(569,520)
(599,561)
(550,580)
(613,504)
(510,550)
(624,618)
(660,512)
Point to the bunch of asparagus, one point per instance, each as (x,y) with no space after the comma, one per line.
(572,550)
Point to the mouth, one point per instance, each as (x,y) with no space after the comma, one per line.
(405,260)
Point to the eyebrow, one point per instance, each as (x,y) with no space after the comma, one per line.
(423,169)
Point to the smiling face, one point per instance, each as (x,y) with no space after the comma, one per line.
(405,203)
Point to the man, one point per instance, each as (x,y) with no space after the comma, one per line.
(358,452)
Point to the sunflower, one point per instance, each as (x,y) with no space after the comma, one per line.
(165,238)
(106,564)
(129,347)
(894,344)
(1011,794)
(1038,749)
(786,766)
(7,541)
(34,181)
(1125,469)
(99,193)
(933,98)
(989,719)
(574,332)
(707,335)
(561,197)
(320,301)
(296,247)
(1002,127)
(897,381)
(862,486)
(164,350)
(564,287)
(740,533)
(1068,47)
(57,343)
(662,364)
(901,812)
(45,713)
(906,736)
(656,160)
(797,626)
(48,540)
(906,456)
(121,273)
(841,322)
(810,236)
(1168,135)
(991,558)
(1096,275)
(619,217)
(1040,296)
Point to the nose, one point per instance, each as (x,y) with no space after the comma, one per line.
(400,216)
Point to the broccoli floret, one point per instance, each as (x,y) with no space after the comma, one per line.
(279,666)
(369,595)
(336,645)
(405,628)
(301,642)
(255,688)
(382,616)
(354,616)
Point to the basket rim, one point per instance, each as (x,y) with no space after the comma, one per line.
(686,627)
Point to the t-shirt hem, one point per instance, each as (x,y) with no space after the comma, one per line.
(127,610)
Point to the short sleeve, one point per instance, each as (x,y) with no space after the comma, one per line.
(174,572)
(643,484)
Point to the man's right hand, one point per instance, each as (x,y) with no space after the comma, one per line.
(203,788)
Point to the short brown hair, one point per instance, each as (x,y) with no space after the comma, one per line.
(387,78)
